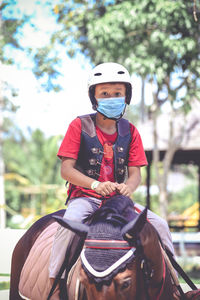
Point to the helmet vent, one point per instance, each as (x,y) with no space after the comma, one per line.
(121,72)
(97,74)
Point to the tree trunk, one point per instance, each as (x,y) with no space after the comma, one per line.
(142,103)
(163,200)
(156,152)
(174,142)
(162,173)
(2,190)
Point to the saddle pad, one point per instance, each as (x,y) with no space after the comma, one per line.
(34,280)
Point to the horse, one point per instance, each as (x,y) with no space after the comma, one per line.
(122,257)
(23,247)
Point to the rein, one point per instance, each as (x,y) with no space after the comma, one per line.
(178,268)
(147,272)
(143,265)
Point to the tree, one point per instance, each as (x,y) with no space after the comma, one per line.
(31,168)
(8,29)
(156,39)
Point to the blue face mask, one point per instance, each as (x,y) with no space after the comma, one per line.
(111,107)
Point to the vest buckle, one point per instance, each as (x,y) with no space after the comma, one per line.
(121,160)
(96,151)
(94,162)
(120,171)
(120,149)
(91,172)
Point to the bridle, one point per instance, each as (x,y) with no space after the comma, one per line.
(107,244)
(147,272)
(127,241)
(132,252)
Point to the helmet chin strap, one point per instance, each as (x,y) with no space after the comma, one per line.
(114,119)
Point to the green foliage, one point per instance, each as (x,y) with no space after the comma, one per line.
(35,155)
(34,170)
(154,39)
(180,201)
(192,269)
(4,285)
(8,108)
(32,179)
(45,65)
(132,114)
(11,29)
(8,30)
(140,198)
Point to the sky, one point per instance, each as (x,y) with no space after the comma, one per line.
(49,111)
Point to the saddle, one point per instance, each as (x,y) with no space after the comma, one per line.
(34,281)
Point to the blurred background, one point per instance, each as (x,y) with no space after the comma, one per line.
(47,49)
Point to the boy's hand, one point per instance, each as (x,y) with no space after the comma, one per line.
(124,189)
(106,188)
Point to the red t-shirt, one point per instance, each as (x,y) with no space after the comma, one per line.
(71,144)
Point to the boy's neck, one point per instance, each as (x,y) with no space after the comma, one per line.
(106,125)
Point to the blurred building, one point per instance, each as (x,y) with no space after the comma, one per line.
(174,129)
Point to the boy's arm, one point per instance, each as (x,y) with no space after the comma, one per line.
(69,173)
(133,181)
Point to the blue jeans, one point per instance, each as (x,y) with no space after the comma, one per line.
(80,208)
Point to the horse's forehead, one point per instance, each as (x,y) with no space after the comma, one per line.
(128,272)
(113,290)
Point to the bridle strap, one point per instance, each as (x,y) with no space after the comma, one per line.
(143,266)
(163,279)
(178,268)
(173,273)
(147,272)
(107,244)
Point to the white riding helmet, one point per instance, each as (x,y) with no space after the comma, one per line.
(109,72)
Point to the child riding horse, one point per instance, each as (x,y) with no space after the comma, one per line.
(101,156)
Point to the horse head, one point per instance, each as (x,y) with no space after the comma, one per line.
(120,259)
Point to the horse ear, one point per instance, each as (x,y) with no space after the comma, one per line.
(130,230)
(79,228)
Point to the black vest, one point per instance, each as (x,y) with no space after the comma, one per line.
(91,151)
